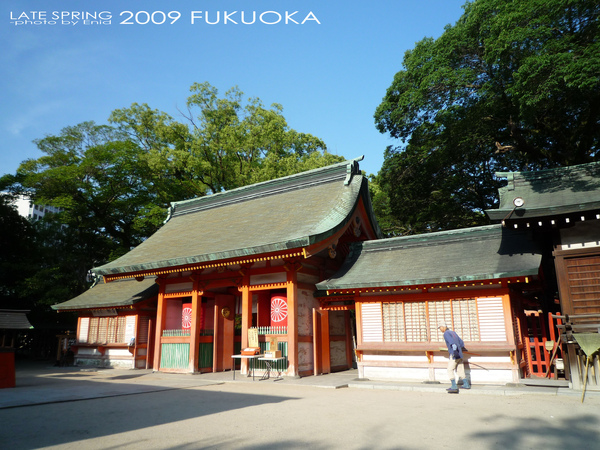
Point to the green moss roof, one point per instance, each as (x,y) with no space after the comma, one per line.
(549,192)
(118,293)
(471,254)
(287,213)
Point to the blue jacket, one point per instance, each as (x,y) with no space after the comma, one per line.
(453,342)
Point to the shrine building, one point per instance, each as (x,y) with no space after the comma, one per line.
(471,278)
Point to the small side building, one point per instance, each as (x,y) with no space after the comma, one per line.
(11,323)
(115,326)
(474,279)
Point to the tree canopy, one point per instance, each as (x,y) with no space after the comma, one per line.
(511,86)
(222,142)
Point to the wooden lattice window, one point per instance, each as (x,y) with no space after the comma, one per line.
(144,326)
(102,329)
(121,327)
(439,311)
(464,319)
(415,321)
(393,322)
(418,321)
(111,333)
(93,334)
(105,330)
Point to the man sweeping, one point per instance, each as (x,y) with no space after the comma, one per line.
(456,367)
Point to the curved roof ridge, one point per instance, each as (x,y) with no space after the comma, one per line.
(343,170)
(424,238)
(280,215)
(493,253)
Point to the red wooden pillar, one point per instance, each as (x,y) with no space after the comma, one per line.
(217,340)
(246,319)
(195,329)
(292,325)
(317,357)
(150,345)
(325,342)
(161,313)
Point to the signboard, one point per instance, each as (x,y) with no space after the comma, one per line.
(273,343)
(253,337)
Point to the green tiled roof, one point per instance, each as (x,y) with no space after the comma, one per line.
(549,192)
(470,254)
(111,295)
(287,213)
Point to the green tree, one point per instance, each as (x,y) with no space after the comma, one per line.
(222,142)
(511,86)
(102,183)
(40,265)
(17,244)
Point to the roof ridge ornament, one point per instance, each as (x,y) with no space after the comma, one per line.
(169,214)
(352,169)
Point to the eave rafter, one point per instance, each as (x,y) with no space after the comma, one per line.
(244,262)
(356,293)
(563,220)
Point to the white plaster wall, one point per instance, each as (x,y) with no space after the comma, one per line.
(306,303)
(115,357)
(395,373)
(88,351)
(117,352)
(403,358)
(477,376)
(337,326)
(338,353)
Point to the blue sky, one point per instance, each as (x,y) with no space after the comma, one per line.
(329,75)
